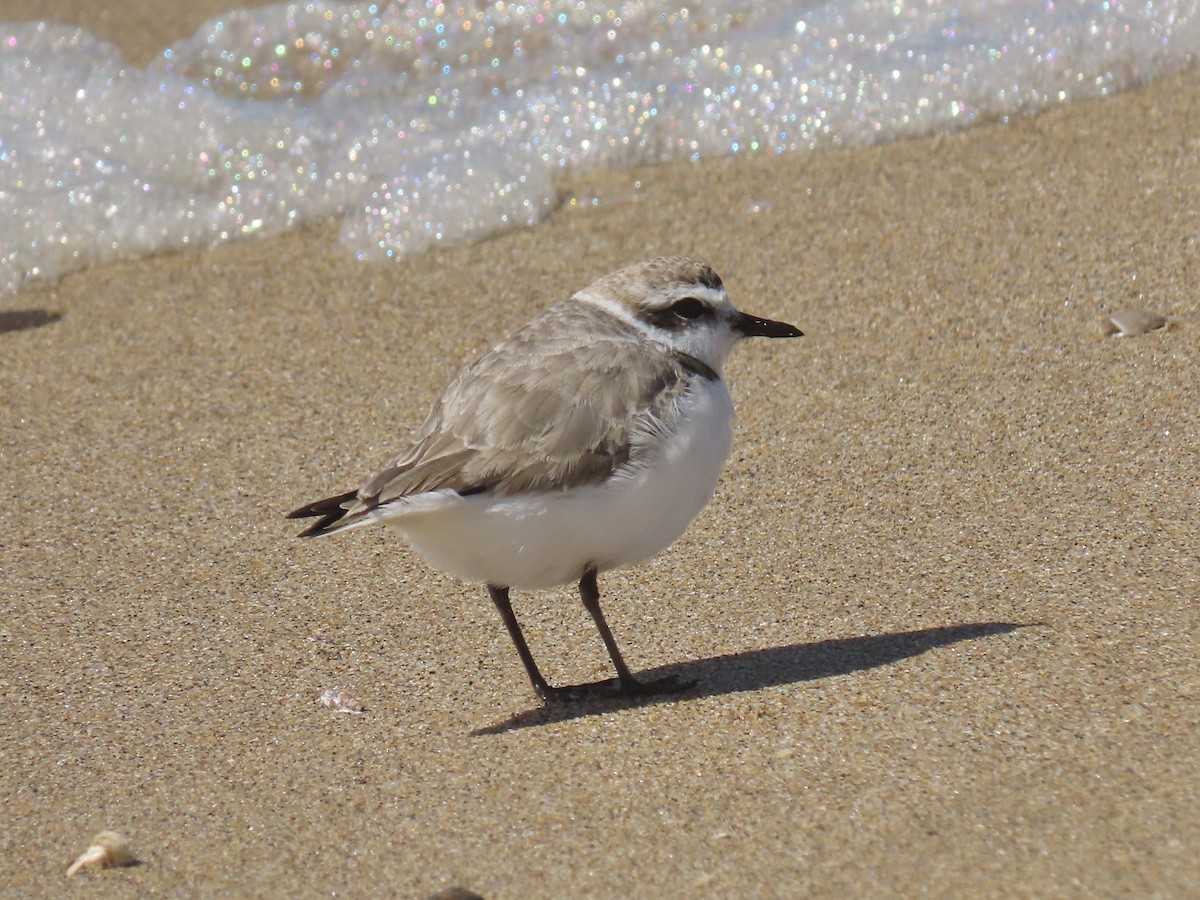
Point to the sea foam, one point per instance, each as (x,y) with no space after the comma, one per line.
(418,123)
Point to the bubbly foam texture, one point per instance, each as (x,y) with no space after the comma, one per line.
(417,123)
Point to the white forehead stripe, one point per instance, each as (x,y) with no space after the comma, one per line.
(611,306)
(714,297)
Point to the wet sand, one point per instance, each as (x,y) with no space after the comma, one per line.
(943,610)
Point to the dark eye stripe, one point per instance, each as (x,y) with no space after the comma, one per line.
(679,314)
(688,308)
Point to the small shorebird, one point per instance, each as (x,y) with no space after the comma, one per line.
(586,441)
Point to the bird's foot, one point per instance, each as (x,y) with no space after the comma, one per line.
(614,688)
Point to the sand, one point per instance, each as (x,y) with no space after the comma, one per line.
(942,610)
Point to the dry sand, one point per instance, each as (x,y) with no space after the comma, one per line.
(943,610)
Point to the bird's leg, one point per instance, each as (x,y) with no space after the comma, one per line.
(500,598)
(589,592)
(541,688)
(626,685)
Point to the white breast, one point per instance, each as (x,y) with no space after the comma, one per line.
(545,539)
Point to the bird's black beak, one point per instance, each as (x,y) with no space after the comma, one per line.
(753,326)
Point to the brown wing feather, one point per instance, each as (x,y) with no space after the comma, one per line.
(534,413)
(551,406)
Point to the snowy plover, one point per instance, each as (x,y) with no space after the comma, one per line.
(587,440)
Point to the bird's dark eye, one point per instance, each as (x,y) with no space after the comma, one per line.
(688,308)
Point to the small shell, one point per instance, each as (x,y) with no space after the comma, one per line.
(108,850)
(1134,322)
(340,701)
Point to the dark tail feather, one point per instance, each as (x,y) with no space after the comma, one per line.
(331,510)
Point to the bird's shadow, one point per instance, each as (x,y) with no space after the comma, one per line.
(755,669)
(26,319)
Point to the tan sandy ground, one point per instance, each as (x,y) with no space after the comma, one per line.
(943,610)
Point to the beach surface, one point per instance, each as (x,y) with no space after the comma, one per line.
(943,611)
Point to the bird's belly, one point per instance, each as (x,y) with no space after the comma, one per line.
(550,538)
